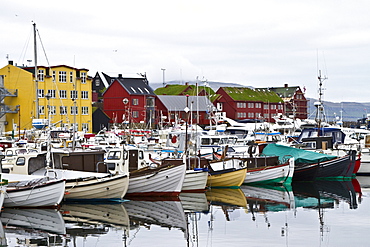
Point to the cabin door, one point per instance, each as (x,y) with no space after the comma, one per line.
(133,159)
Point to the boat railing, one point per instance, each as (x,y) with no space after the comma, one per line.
(102,163)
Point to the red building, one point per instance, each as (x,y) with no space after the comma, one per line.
(130,101)
(247,103)
(171,108)
(295,102)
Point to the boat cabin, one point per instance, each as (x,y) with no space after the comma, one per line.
(323,138)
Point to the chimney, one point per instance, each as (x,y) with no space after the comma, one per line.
(119,75)
(286,85)
(10,62)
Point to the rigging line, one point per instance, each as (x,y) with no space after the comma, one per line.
(47,61)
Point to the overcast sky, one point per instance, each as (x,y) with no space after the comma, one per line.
(254,43)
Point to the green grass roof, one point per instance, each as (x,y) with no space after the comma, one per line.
(175,89)
(248,94)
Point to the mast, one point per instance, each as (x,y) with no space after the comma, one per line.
(36,75)
(320,113)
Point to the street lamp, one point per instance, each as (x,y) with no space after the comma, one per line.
(163,70)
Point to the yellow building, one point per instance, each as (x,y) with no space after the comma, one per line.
(64,96)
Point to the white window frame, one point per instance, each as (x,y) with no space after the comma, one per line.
(51,93)
(74,94)
(74,110)
(71,77)
(84,110)
(62,76)
(63,110)
(85,127)
(41,110)
(63,94)
(40,75)
(84,94)
(52,110)
(41,93)
(83,77)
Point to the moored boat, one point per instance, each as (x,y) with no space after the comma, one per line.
(32,191)
(310,165)
(154,179)
(230,177)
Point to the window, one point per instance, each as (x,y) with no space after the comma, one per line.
(71,77)
(241,105)
(52,110)
(41,110)
(85,127)
(135,101)
(135,114)
(51,93)
(54,75)
(97,82)
(266,106)
(75,126)
(85,110)
(63,110)
(250,105)
(74,110)
(219,106)
(250,115)
(40,93)
(63,94)
(258,105)
(84,95)
(83,77)
(150,102)
(273,107)
(63,76)
(74,94)
(40,75)
(242,115)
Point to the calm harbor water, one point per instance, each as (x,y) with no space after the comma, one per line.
(325,213)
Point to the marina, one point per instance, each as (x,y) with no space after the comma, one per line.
(112,161)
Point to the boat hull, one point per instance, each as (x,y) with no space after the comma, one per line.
(195,181)
(109,187)
(157,182)
(278,174)
(41,195)
(227,178)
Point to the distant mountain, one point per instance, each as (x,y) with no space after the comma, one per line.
(351,111)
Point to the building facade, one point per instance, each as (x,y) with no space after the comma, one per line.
(172,109)
(60,93)
(246,103)
(130,101)
(295,102)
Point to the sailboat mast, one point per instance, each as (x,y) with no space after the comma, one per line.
(36,75)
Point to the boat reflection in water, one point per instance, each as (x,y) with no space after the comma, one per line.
(189,219)
(166,214)
(226,197)
(32,226)
(78,217)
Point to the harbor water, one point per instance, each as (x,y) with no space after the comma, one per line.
(322,213)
